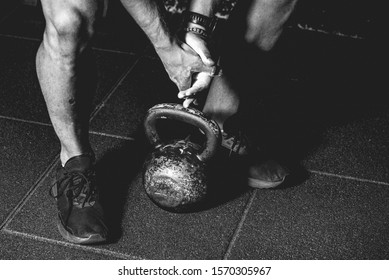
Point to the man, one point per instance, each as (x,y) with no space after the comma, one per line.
(66,74)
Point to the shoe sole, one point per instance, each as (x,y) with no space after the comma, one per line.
(92,239)
(260,184)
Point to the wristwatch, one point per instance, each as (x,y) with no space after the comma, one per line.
(209,23)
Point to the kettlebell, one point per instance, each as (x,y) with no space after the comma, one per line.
(175,173)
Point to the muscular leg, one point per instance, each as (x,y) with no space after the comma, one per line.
(65,71)
(66,75)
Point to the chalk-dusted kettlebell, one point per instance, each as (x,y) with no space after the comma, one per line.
(175,173)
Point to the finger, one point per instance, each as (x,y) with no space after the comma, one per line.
(181,94)
(201,83)
(186,93)
(191,92)
(187,102)
(201,67)
(198,65)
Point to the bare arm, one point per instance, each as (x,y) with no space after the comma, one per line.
(179,59)
(204,7)
(200,46)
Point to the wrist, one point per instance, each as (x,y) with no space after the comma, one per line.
(204,7)
(196,20)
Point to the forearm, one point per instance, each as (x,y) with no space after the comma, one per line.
(150,15)
(204,7)
(179,59)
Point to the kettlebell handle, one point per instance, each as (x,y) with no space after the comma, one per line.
(188,115)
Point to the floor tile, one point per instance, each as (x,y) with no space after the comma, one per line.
(18,81)
(147,85)
(359,149)
(26,151)
(20,86)
(6,7)
(14,247)
(140,229)
(26,21)
(118,31)
(325,218)
(152,233)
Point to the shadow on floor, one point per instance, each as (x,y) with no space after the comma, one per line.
(115,171)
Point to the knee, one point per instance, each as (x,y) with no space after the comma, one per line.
(266,20)
(263,38)
(68,33)
(263,30)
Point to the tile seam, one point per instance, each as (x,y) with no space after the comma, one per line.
(93,48)
(112,135)
(49,125)
(84,248)
(306,27)
(29,193)
(102,104)
(115,51)
(239,226)
(6,16)
(323,173)
(25,121)
(20,37)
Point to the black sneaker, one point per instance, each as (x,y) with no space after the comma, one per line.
(235,143)
(81,218)
(261,173)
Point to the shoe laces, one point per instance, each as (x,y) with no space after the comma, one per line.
(237,143)
(79,188)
